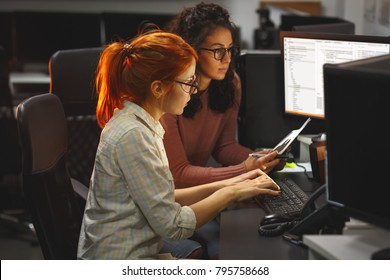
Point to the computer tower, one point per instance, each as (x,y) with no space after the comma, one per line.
(262,122)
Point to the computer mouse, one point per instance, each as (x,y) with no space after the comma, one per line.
(275,219)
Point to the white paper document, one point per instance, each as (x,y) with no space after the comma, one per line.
(286,142)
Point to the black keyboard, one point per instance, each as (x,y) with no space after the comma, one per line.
(290,201)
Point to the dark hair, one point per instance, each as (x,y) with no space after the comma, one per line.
(126,70)
(194,25)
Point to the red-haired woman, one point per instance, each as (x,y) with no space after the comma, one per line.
(132,202)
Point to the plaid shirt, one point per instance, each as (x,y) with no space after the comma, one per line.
(131,204)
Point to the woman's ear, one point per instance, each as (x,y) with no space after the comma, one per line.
(157,89)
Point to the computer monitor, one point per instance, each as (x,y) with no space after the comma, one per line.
(261,120)
(304,55)
(356,110)
(338,28)
(289,22)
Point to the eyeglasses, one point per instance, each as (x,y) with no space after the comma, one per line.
(220,53)
(190,87)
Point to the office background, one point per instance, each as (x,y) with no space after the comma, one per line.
(243,12)
(368,19)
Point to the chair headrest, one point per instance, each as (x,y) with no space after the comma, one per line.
(72,78)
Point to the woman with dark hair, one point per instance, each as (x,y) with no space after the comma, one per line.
(132,203)
(208,126)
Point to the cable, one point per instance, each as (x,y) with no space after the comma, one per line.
(276,229)
(304,170)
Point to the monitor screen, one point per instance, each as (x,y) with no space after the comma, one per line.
(357,117)
(304,55)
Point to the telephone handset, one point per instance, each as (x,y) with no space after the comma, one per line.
(310,204)
(326,219)
(273,225)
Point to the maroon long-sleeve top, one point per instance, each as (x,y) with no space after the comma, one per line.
(189,143)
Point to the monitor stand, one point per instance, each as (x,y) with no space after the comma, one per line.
(364,244)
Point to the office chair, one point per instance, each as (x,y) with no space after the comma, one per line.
(72,79)
(52,197)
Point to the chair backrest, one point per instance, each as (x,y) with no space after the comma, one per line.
(10,158)
(47,187)
(72,79)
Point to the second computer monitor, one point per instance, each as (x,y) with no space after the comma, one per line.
(261,121)
(304,55)
(333,28)
(357,120)
(289,21)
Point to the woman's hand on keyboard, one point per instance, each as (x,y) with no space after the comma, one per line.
(262,185)
(253,174)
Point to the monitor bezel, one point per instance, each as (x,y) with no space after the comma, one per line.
(321,36)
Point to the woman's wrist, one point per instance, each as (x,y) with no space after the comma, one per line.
(228,194)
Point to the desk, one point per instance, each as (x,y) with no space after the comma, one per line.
(349,246)
(26,84)
(29,78)
(239,237)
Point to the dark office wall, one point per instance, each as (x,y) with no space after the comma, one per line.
(6,31)
(38,35)
(125,25)
(262,121)
(32,37)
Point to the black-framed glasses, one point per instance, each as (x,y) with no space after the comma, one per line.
(219,53)
(190,87)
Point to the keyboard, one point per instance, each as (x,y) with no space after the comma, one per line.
(289,202)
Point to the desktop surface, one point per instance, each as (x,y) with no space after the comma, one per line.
(239,238)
